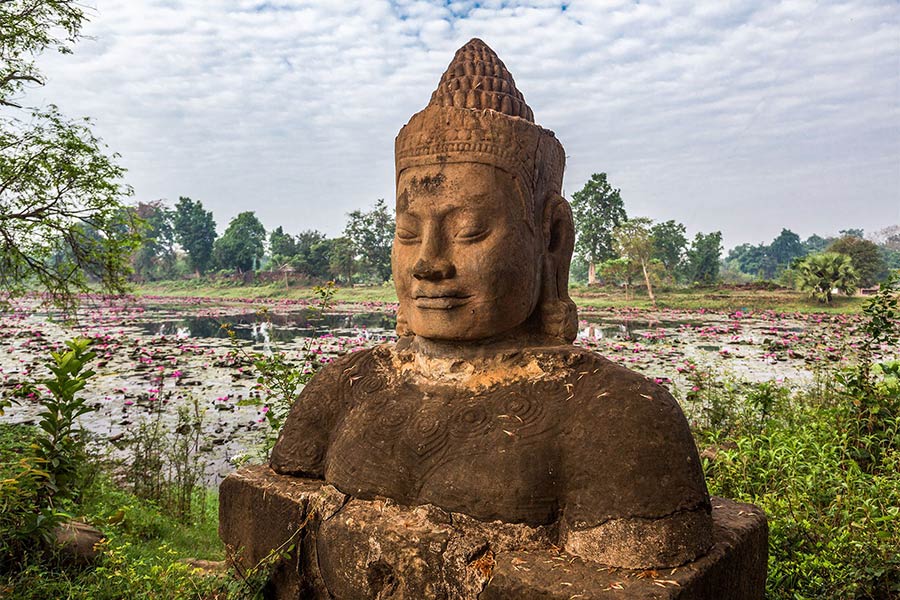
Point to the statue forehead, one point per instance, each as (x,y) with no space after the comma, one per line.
(458,184)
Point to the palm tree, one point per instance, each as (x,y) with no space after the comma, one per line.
(820,274)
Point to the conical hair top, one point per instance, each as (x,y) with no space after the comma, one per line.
(477,79)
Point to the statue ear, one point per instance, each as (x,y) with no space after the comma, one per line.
(558,313)
(558,234)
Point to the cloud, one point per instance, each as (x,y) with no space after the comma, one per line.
(737,116)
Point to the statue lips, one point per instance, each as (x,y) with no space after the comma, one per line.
(440,300)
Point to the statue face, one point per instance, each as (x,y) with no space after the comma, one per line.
(465,260)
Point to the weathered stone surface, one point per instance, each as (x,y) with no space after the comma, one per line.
(513,438)
(376,548)
(483,440)
(259,514)
(78,542)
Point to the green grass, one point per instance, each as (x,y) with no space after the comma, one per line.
(142,548)
(720,299)
(276,291)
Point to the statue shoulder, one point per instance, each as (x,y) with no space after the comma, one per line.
(307,431)
(604,389)
(627,447)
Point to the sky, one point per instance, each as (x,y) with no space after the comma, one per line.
(736,116)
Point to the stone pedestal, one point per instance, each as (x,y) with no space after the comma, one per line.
(329,545)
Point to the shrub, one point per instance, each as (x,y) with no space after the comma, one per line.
(52,472)
(825,466)
(819,274)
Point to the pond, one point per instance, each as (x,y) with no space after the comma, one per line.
(268,328)
(156,354)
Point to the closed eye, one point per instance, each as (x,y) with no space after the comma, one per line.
(472,234)
(407,236)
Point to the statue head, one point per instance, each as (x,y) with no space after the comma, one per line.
(484,237)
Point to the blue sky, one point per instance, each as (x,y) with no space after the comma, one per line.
(738,116)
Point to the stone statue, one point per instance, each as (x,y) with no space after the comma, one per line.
(484,414)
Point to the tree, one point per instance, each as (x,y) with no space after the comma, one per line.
(855,233)
(890,257)
(312,256)
(634,241)
(783,250)
(62,222)
(597,209)
(703,258)
(281,245)
(819,274)
(195,231)
(749,259)
(342,259)
(815,244)
(669,244)
(372,234)
(241,246)
(620,271)
(155,256)
(865,256)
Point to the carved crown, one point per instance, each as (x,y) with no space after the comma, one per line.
(477,114)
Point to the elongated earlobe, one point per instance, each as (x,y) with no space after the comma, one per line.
(559,317)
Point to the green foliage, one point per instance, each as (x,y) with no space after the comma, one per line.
(61,448)
(308,252)
(195,231)
(873,385)
(61,217)
(141,552)
(342,259)
(819,274)
(633,241)
(27,29)
(815,244)
(371,235)
(155,257)
(281,244)
(749,259)
(865,256)
(669,246)
(597,209)
(890,256)
(52,472)
(783,250)
(313,254)
(165,465)
(769,261)
(241,246)
(24,524)
(619,271)
(703,258)
(833,529)
(824,464)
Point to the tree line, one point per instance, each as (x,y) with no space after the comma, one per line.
(780,259)
(612,248)
(361,254)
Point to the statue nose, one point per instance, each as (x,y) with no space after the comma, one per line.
(433,270)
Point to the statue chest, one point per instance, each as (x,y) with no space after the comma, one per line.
(492,455)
